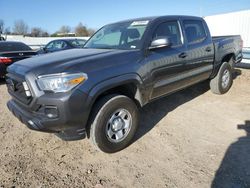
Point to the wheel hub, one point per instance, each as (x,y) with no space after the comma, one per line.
(117,124)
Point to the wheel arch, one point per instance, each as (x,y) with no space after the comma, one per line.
(129,85)
(226,58)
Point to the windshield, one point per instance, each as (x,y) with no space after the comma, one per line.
(125,35)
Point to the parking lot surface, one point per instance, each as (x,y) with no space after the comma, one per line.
(190,139)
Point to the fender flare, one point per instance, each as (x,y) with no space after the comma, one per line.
(218,65)
(105,85)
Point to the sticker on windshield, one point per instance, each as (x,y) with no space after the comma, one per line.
(137,23)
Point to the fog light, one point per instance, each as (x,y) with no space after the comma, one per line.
(51,112)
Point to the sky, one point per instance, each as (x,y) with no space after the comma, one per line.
(52,14)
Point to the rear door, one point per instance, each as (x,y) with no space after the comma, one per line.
(200,50)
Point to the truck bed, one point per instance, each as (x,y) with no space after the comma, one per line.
(226,45)
(219,38)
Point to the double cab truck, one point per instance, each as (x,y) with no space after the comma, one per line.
(96,91)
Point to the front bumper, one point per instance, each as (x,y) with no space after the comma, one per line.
(70,122)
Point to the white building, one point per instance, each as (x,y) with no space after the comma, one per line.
(234,23)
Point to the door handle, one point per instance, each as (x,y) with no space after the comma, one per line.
(183,55)
(208,49)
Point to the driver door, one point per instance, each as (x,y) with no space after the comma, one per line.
(167,64)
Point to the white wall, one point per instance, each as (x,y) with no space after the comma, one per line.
(234,23)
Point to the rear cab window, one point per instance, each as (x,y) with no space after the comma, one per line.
(195,31)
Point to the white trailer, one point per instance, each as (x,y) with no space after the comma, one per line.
(234,23)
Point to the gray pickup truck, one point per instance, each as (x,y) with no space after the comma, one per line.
(96,91)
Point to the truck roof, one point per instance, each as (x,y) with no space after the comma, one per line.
(154,18)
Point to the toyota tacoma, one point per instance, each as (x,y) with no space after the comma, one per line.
(96,91)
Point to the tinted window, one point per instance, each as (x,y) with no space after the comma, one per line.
(56,45)
(13,46)
(170,30)
(77,43)
(194,30)
(60,45)
(50,45)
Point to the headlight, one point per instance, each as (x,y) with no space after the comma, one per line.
(60,82)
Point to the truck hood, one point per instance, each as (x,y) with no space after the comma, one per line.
(77,59)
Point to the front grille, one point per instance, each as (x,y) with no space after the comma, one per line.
(19,90)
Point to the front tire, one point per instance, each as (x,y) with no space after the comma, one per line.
(114,122)
(223,80)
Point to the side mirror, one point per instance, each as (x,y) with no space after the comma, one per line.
(160,42)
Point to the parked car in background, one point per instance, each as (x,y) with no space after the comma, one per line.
(11,52)
(2,38)
(62,44)
(245,63)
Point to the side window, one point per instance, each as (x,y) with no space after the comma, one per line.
(50,45)
(56,45)
(171,30)
(60,45)
(195,31)
(75,43)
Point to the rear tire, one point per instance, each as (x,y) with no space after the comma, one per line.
(113,123)
(223,80)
